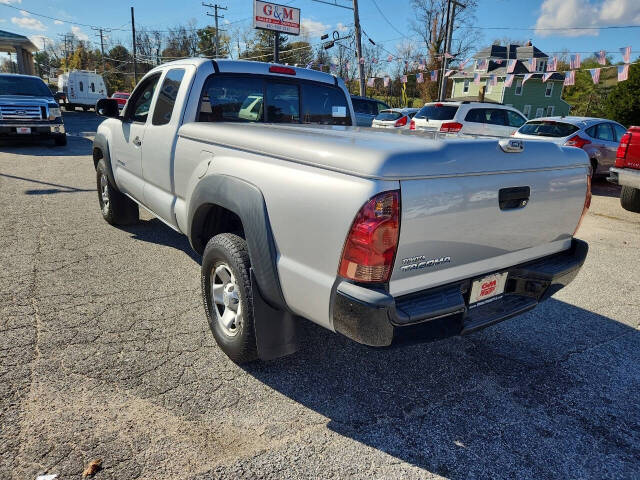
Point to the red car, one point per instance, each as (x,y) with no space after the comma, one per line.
(121,98)
(626,171)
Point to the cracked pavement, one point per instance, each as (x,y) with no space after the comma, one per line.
(105,353)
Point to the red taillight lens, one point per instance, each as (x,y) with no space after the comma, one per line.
(451,127)
(587,204)
(621,154)
(280,69)
(412,125)
(370,248)
(577,141)
(401,122)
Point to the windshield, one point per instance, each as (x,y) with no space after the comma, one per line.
(27,86)
(387,115)
(548,129)
(437,112)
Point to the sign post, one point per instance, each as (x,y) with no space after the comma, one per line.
(278,19)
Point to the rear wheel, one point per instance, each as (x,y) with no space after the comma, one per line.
(116,208)
(227,296)
(630,199)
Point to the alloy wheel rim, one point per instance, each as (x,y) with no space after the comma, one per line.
(104,193)
(225,296)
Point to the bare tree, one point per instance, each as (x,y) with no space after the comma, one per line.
(430,23)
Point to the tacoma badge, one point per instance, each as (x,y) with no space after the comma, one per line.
(416,263)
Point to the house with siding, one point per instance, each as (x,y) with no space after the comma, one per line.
(534,99)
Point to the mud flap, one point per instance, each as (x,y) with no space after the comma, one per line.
(276,330)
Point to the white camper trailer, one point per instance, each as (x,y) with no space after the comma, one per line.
(81,89)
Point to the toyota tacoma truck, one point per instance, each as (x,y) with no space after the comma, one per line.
(298,214)
(626,171)
(28,110)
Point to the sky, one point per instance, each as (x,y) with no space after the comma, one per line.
(544,22)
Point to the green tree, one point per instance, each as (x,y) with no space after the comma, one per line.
(623,104)
(207,42)
(586,98)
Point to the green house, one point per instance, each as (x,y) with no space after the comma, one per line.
(534,99)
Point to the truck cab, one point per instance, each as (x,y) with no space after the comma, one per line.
(28,110)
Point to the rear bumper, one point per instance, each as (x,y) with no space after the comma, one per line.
(625,177)
(373,317)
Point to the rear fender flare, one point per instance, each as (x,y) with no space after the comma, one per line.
(247,202)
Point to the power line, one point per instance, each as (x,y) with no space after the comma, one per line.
(385,18)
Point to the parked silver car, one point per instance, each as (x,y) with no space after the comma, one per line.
(596,136)
(394,118)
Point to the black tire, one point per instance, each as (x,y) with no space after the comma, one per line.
(230,250)
(630,199)
(60,140)
(594,167)
(116,208)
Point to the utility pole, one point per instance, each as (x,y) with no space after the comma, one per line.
(133,33)
(356,21)
(452,4)
(100,30)
(65,39)
(215,7)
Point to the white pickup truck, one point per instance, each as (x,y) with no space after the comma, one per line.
(379,236)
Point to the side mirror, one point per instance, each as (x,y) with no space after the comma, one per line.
(107,107)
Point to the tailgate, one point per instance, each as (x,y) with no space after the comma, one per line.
(460,226)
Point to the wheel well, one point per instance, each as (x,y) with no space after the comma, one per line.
(209,221)
(97,155)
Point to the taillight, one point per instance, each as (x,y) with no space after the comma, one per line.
(401,122)
(370,248)
(451,127)
(577,141)
(280,69)
(621,154)
(412,125)
(587,204)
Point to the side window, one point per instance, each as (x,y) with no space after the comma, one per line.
(167,96)
(476,115)
(361,106)
(140,102)
(604,132)
(591,131)
(283,103)
(515,119)
(81,86)
(93,87)
(232,99)
(381,107)
(496,117)
(619,130)
(324,105)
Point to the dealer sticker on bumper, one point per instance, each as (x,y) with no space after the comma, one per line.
(489,287)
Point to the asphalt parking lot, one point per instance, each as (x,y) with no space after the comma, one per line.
(105,353)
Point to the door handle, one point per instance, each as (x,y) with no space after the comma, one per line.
(137,142)
(514,197)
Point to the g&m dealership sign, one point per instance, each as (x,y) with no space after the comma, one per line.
(278,18)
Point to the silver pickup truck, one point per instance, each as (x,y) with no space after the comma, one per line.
(380,236)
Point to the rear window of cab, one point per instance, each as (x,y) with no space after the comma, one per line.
(543,128)
(253,98)
(437,111)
